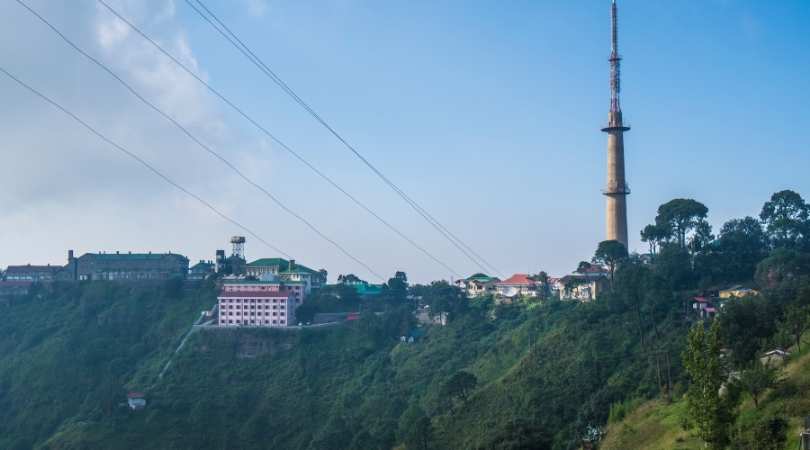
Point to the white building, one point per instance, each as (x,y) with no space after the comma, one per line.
(256,304)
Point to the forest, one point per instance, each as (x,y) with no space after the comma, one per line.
(534,373)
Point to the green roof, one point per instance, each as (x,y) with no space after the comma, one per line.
(481,277)
(299,268)
(368,289)
(281,262)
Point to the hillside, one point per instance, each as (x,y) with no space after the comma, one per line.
(543,371)
(657,425)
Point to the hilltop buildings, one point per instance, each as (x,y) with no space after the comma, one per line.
(287,271)
(477,284)
(256,303)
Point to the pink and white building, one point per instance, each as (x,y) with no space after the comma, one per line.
(247,303)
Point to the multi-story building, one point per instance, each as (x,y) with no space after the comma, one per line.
(477,285)
(127,266)
(288,271)
(250,303)
(201,270)
(28,272)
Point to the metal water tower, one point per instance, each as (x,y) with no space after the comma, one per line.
(238,243)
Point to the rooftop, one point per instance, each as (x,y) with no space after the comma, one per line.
(521,279)
(281,262)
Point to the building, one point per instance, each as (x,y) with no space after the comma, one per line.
(737,292)
(477,285)
(518,285)
(136,400)
(288,271)
(34,274)
(127,266)
(201,270)
(616,190)
(362,287)
(583,285)
(776,357)
(251,303)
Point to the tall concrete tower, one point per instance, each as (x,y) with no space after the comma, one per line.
(616,190)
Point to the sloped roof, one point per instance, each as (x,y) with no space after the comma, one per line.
(281,262)
(521,279)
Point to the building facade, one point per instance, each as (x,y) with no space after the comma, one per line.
(34,274)
(518,285)
(249,303)
(477,285)
(288,271)
(127,266)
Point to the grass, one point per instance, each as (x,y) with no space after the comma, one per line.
(656,425)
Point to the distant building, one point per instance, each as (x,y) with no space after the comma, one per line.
(127,266)
(250,303)
(775,357)
(288,271)
(201,270)
(136,400)
(36,274)
(737,292)
(477,285)
(362,287)
(518,285)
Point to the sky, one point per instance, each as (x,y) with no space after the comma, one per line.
(488,114)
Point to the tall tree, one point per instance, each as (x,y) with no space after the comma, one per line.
(459,386)
(785,217)
(701,358)
(702,238)
(681,215)
(654,235)
(742,244)
(610,254)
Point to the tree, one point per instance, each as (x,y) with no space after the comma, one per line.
(416,429)
(459,386)
(785,217)
(742,244)
(444,298)
(757,379)
(583,266)
(681,215)
(796,322)
(610,254)
(655,235)
(701,238)
(701,358)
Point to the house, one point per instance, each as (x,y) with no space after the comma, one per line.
(477,285)
(737,292)
(703,307)
(287,271)
(581,287)
(256,303)
(201,270)
(518,285)
(363,288)
(136,400)
(775,357)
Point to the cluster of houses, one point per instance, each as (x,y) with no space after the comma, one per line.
(583,285)
(709,304)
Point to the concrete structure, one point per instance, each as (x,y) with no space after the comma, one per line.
(477,285)
(127,266)
(249,303)
(287,271)
(776,357)
(30,273)
(616,190)
(201,270)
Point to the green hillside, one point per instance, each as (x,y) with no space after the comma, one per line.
(544,371)
(656,425)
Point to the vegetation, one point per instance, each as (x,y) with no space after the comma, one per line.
(540,374)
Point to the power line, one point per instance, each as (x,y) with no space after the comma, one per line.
(231,37)
(139,160)
(266,132)
(196,140)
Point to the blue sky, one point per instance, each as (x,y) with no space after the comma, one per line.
(487,113)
